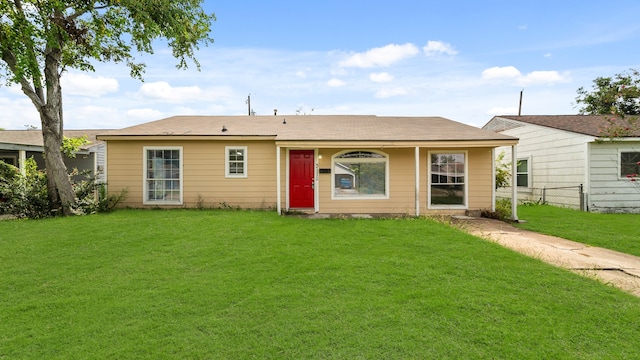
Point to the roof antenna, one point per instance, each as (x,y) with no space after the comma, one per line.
(284,121)
(275,112)
(520,105)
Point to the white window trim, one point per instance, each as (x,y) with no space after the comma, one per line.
(245,162)
(466,180)
(619,162)
(145,201)
(362,197)
(529,178)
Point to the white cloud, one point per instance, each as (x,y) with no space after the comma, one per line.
(382,77)
(336,83)
(301,74)
(387,93)
(382,56)
(17,111)
(543,77)
(502,111)
(496,72)
(548,55)
(434,48)
(343,109)
(162,91)
(85,85)
(144,114)
(99,117)
(15,90)
(532,78)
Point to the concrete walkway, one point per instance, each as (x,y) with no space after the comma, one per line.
(611,267)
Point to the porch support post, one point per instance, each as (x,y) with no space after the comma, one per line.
(417,156)
(493,180)
(278,187)
(22,154)
(514,183)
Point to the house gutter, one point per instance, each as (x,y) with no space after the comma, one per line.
(381,144)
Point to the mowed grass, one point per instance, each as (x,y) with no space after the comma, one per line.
(191,284)
(620,232)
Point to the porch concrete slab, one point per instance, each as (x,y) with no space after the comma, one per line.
(611,267)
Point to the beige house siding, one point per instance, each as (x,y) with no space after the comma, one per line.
(204,181)
(401,185)
(205,184)
(480,179)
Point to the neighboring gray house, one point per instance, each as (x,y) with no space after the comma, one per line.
(559,154)
(18,145)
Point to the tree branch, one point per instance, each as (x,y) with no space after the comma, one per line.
(77,14)
(37,97)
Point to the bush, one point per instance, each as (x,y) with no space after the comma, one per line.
(25,196)
(8,173)
(503,210)
(92,196)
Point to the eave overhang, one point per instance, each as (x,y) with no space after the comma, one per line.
(451,144)
(185,137)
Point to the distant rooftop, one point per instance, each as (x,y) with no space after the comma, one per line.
(34,137)
(581,124)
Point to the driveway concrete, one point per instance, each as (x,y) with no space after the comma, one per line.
(611,267)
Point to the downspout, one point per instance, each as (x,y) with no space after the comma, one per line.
(417,156)
(278,187)
(514,183)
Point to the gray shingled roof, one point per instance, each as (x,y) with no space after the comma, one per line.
(34,137)
(316,128)
(581,124)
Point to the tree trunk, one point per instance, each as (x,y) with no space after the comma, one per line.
(58,183)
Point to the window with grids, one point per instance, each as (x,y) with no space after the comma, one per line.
(629,163)
(522,173)
(447,179)
(163,175)
(236,161)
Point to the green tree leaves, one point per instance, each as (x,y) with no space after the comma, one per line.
(40,39)
(617,96)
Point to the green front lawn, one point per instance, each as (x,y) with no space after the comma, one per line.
(620,232)
(190,284)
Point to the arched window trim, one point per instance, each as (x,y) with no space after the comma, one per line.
(360,153)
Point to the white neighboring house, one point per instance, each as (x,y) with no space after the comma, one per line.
(559,154)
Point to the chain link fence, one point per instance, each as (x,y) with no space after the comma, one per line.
(564,196)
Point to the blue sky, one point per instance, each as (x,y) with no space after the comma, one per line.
(463,60)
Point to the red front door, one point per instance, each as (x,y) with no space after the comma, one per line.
(301,176)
